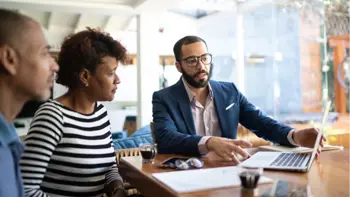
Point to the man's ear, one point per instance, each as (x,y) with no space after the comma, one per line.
(8,60)
(178,66)
(84,77)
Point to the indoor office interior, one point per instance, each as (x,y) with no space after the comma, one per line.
(286,60)
(288,57)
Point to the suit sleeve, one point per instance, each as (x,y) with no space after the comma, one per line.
(169,139)
(258,122)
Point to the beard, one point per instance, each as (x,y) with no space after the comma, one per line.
(197,84)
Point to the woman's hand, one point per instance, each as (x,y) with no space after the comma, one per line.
(119,193)
(115,189)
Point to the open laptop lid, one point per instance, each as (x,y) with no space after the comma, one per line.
(318,139)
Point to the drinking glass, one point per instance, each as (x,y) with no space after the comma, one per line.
(148,152)
(250,176)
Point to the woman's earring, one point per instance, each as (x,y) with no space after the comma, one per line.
(86,85)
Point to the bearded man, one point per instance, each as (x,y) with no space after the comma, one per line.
(197,115)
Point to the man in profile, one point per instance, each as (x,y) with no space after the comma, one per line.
(26,73)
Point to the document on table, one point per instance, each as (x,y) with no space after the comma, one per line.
(203,179)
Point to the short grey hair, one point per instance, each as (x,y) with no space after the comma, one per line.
(12,26)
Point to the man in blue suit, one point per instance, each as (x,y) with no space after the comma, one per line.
(197,115)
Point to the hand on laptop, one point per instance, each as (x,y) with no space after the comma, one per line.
(228,149)
(307,138)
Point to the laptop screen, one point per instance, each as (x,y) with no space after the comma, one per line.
(323,124)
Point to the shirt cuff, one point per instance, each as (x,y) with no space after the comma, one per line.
(202,145)
(290,138)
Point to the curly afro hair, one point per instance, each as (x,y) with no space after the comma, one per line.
(85,50)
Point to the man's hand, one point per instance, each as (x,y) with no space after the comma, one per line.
(228,149)
(115,189)
(307,138)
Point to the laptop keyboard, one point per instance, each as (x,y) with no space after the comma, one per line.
(290,160)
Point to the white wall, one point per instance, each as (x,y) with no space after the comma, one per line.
(175,27)
(218,32)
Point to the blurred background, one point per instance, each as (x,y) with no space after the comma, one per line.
(288,57)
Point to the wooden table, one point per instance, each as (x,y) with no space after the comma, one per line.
(328,177)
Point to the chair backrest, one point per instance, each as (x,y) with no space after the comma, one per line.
(130,124)
(153,134)
(128,152)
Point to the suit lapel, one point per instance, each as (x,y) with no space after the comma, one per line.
(220,100)
(185,107)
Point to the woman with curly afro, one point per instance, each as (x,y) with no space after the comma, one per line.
(69,151)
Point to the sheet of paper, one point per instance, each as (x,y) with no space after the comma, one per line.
(298,149)
(203,179)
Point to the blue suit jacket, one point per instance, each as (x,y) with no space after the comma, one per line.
(174,126)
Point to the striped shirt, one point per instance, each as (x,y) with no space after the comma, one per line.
(68,153)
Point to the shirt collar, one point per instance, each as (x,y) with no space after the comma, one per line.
(8,132)
(191,95)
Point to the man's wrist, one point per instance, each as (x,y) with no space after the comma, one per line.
(202,145)
(291,138)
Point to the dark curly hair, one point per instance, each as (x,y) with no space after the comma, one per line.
(85,50)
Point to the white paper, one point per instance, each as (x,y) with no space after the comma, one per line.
(203,179)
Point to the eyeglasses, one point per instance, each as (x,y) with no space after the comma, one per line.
(185,165)
(192,61)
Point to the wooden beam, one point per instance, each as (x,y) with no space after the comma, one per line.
(343,43)
(68,6)
(138,3)
(340,93)
(49,18)
(310,63)
(343,40)
(108,24)
(127,23)
(78,23)
(340,37)
(157,5)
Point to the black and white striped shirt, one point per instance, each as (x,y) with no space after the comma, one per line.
(68,153)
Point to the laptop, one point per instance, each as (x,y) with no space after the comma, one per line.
(287,161)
